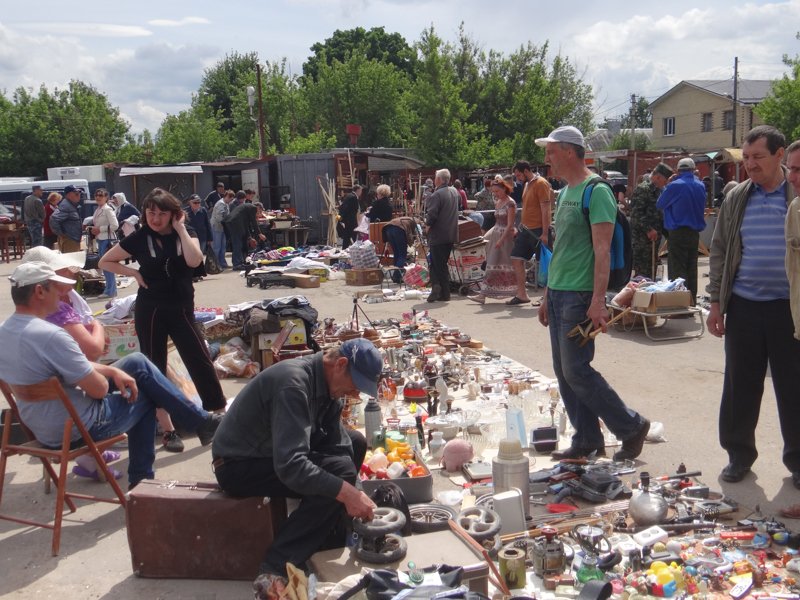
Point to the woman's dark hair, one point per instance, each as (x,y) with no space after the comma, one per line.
(162,200)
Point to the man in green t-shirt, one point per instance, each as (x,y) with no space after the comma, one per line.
(576,290)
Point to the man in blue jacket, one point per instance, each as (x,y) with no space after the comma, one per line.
(683,202)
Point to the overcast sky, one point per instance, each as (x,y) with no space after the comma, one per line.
(149,57)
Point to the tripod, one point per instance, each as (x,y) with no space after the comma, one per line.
(354,316)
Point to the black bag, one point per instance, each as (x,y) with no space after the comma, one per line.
(212,266)
(92,255)
(383,584)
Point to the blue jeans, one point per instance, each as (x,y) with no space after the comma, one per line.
(219,248)
(397,238)
(138,419)
(103,246)
(587,396)
(35,231)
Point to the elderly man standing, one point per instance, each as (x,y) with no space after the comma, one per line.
(576,290)
(283,436)
(441,217)
(66,221)
(33,215)
(750,305)
(646,221)
(683,202)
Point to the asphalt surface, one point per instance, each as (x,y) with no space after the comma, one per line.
(677,383)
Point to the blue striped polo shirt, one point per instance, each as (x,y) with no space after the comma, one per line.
(762,272)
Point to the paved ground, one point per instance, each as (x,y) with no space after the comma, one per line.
(677,383)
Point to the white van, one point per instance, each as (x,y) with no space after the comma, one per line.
(13,194)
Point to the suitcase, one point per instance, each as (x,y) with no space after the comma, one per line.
(468,230)
(195,531)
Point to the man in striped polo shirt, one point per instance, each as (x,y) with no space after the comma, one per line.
(749,291)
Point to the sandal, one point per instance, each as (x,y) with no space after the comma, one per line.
(478,298)
(110,456)
(83,472)
(515,301)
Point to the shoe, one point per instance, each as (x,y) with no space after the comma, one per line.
(269,585)
(209,428)
(172,441)
(573,452)
(734,472)
(478,298)
(516,301)
(632,447)
(436,293)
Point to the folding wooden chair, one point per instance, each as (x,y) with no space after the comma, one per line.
(47,391)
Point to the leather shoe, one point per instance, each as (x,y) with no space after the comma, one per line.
(573,452)
(735,472)
(796,479)
(632,447)
(436,293)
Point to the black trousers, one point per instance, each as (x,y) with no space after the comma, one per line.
(439,273)
(315,524)
(155,324)
(682,257)
(758,334)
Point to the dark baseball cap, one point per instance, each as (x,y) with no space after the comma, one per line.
(366,364)
(71,188)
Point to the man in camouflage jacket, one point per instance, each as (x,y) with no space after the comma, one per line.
(646,219)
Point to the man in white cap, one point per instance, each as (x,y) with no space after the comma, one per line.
(109,399)
(576,290)
(683,203)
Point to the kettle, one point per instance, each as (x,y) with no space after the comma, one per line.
(647,507)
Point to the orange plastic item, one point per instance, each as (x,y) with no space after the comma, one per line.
(417,471)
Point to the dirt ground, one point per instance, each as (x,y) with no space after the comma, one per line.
(677,383)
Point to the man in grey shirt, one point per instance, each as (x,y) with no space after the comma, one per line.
(283,436)
(33,215)
(441,217)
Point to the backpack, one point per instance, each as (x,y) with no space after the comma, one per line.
(621,264)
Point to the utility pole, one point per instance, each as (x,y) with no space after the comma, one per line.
(735,99)
(633,138)
(262,145)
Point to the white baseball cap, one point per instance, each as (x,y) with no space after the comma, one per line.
(567,133)
(30,273)
(54,259)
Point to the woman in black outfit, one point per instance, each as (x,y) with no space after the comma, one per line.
(381,209)
(167,253)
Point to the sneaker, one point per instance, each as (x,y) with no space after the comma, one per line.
(269,585)
(172,441)
(632,447)
(207,430)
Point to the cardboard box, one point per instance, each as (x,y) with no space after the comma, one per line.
(655,302)
(363,276)
(319,272)
(121,341)
(302,280)
(264,341)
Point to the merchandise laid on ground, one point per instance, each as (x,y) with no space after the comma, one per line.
(466,435)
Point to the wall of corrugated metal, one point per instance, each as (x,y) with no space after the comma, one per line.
(300,172)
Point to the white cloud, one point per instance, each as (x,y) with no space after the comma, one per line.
(179,22)
(80,30)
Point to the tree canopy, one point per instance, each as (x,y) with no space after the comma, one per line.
(456,104)
(781,108)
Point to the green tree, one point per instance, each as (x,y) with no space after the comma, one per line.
(191,135)
(376,44)
(781,108)
(137,149)
(442,133)
(363,91)
(72,126)
(221,85)
(622,141)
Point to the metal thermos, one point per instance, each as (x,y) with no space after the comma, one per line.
(510,469)
(373,419)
